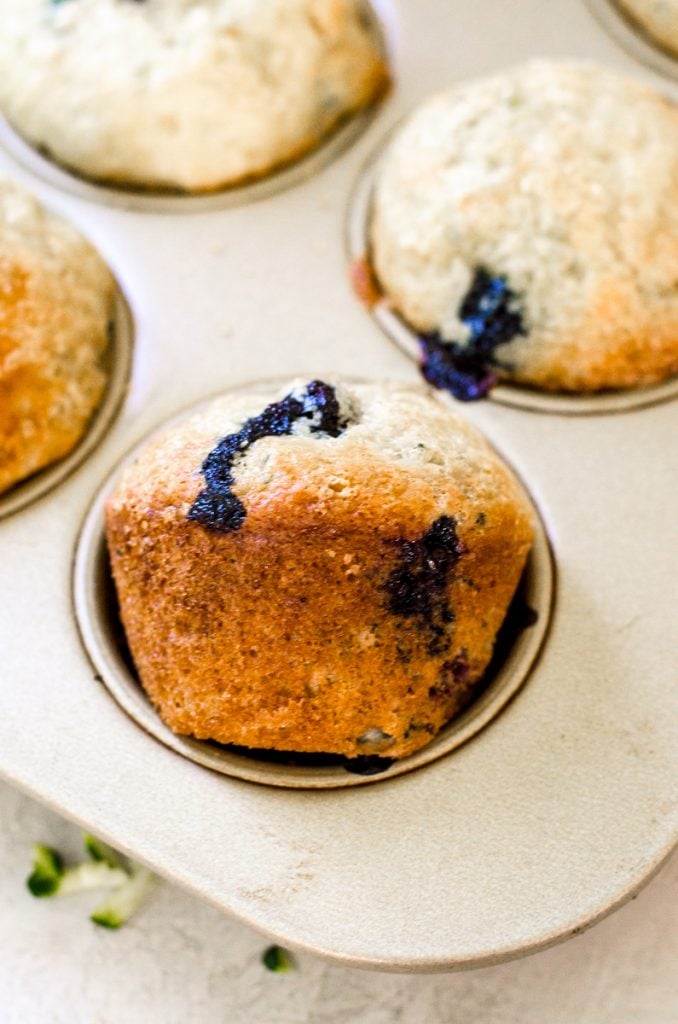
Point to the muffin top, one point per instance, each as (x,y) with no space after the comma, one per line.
(188,94)
(657,18)
(56,299)
(384,455)
(530,219)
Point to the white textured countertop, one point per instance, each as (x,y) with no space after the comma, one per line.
(180,961)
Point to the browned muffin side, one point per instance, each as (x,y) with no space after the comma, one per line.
(56,302)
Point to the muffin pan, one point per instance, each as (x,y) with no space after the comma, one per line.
(550,816)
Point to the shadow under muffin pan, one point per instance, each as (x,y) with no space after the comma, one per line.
(337,141)
(117,364)
(408,340)
(631,36)
(518,646)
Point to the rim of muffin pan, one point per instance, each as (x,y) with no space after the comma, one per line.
(518,647)
(406,338)
(633,37)
(116,362)
(340,138)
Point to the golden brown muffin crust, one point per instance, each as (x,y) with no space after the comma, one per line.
(56,301)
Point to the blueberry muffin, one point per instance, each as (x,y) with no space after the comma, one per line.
(56,303)
(324,572)
(186,94)
(526,225)
(657,19)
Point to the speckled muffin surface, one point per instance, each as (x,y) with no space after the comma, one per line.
(526,225)
(180,93)
(658,19)
(324,572)
(56,303)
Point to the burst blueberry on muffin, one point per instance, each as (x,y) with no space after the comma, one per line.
(56,305)
(324,572)
(526,225)
(184,94)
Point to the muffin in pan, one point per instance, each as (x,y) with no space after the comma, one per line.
(657,19)
(326,573)
(183,94)
(526,226)
(56,305)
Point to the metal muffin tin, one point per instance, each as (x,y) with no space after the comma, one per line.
(630,35)
(545,820)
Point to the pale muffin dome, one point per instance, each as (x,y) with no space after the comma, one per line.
(529,222)
(187,94)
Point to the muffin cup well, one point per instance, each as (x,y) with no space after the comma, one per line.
(96,610)
(406,338)
(631,36)
(117,364)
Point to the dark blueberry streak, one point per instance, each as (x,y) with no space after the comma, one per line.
(490,311)
(417,587)
(216,507)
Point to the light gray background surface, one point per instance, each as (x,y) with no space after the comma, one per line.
(180,961)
